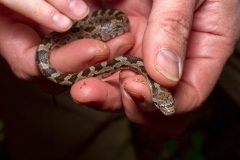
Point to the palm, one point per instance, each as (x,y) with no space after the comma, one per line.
(200,53)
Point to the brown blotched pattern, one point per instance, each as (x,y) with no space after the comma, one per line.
(103,24)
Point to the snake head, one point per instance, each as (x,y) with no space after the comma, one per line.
(164,101)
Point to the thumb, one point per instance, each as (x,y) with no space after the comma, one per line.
(165,39)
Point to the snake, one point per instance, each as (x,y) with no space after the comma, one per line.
(103,25)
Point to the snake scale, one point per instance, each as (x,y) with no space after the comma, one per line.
(103,24)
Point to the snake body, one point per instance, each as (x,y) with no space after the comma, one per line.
(103,24)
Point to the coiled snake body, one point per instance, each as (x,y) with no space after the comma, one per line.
(103,24)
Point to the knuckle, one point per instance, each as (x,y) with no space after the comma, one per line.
(60,4)
(176,25)
(19,73)
(45,12)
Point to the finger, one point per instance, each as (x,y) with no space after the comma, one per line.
(210,45)
(74,9)
(120,45)
(165,39)
(41,12)
(97,94)
(84,53)
(79,55)
(18,47)
(201,70)
(135,91)
(138,107)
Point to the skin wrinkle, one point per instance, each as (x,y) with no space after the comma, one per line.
(174,26)
(214,37)
(62,4)
(211,33)
(47,10)
(199,93)
(200,57)
(218,18)
(197,101)
(199,3)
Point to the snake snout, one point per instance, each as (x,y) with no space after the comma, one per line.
(167,109)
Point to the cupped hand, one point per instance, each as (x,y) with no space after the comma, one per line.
(23,25)
(184,45)
(54,14)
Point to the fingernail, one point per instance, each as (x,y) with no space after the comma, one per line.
(137,96)
(78,8)
(62,21)
(169,64)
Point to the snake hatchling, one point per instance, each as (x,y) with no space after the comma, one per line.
(103,24)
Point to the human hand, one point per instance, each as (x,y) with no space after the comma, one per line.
(55,15)
(193,38)
(20,35)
